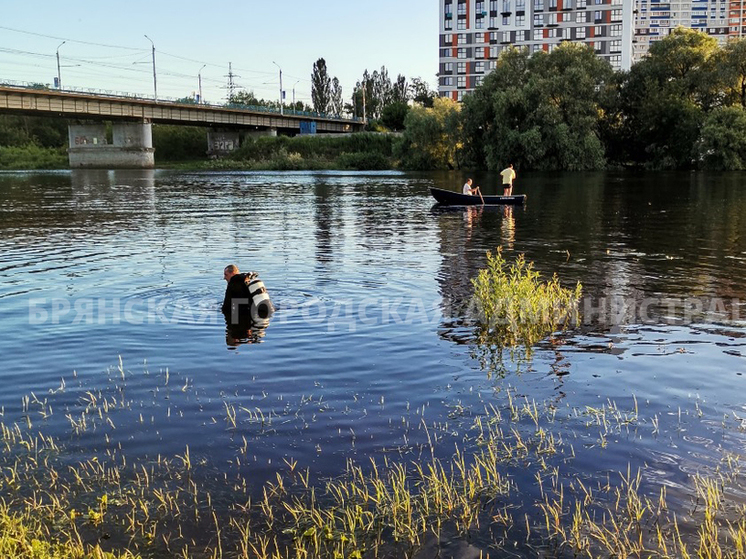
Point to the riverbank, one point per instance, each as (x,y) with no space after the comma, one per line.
(360,152)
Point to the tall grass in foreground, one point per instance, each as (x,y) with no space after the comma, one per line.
(507,490)
(515,308)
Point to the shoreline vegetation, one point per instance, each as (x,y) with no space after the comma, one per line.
(681,107)
(105,506)
(415,501)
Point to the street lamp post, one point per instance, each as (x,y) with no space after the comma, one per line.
(296,83)
(155,84)
(199,79)
(278,66)
(59,75)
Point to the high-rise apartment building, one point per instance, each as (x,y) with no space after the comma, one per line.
(654,19)
(474,32)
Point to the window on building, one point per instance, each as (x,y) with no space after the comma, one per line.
(479,23)
(598,2)
(520,21)
(479,52)
(506,37)
(598,31)
(478,80)
(461,53)
(538,5)
(615,46)
(461,38)
(616,15)
(506,5)
(448,67)
(461,67)
(580,4)
(460,95)
(581,17)
(462,81)
(493,5)
(480,7)
(580,32)
(520,5)
(552,19)
(448,24)
(494,52)
(506,20)
(462,8)
(479,67)
(538,20)
(552,4)
(461,24)
(445,53)
(448,80)
(616,30)
(566,33)
(538,34)
(535,48)
(597,16)
(616,60)
(448,39)
(493,22)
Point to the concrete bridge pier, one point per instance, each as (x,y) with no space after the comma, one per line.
(131,146)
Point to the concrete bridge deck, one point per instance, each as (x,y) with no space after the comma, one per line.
(49,102)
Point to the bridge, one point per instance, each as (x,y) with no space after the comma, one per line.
(132,119)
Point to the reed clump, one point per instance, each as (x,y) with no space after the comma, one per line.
(515,308)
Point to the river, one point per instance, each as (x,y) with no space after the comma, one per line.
(111,282)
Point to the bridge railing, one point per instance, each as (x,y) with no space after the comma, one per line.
(139,97)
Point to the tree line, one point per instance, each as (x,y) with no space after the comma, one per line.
(681,107)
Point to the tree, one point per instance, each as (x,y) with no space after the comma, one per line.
(244,97)
(421,92)
(400,90)
(394,115)
(732,66)
(539,112)
(320,87)
(431,138)
(665,98)
(336,104)
(723,143)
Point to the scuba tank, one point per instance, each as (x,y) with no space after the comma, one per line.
(261,306)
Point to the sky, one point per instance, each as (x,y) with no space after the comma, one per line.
(105,47)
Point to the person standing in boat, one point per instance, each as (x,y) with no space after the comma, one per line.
(508,174)
(467,189)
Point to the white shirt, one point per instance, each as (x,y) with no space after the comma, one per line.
(466,189)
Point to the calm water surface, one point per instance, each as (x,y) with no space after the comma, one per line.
(369,341)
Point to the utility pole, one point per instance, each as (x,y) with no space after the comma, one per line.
(59,75)
(365,83)
(296,83)
(199,80)
(155,84)
(231,87)
(278,66)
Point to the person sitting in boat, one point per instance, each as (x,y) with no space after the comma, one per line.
(246,298)
(468,189)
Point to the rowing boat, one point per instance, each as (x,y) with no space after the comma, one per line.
(450,198)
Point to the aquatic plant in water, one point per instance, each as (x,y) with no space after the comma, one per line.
(515,308)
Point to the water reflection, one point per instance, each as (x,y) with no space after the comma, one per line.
(245,332)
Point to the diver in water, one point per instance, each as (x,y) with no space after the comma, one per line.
(246,297)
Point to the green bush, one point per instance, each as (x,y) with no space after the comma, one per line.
(363,161)
(32,157)
(179,143)
(515,308)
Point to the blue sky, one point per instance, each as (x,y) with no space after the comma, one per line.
(106,49)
